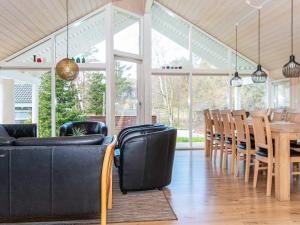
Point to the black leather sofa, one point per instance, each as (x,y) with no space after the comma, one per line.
(145,157)
(50,178)
(88,128)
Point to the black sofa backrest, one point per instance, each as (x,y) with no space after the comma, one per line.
(57,141)
(20,130)
(88,127)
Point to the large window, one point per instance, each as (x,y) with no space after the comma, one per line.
(281,94)
(209,92)
(253,96)
(126,33)
(86,41)
(170,39)
(170,104)
(82,99)
(126,101)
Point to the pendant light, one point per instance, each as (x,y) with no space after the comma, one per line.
(67,69)
(236,81)
(292,68)
(259,76)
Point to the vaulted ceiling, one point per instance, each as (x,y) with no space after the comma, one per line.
(24,22)
(218,18)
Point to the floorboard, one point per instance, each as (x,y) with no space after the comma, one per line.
(202,193)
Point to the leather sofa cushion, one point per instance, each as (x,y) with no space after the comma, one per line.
(6,141)
(21,130)
(55,141)
(3,132)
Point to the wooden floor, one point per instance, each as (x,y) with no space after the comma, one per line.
(201,193)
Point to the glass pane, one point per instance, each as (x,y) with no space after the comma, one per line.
(30,99)
(125,94)
(208,53)
(209,92)
(41,52)
(253,96)
(170,106)
(281,94)
(86,41)
(126,33)
(170,39)
(242,63)
(82,99)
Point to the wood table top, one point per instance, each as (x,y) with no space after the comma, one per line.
(282,126)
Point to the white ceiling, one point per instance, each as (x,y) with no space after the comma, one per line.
(218,17)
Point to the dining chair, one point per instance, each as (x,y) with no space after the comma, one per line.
(218,139)
(293,117)
(229,136)
(245,144)
(209,134)
(277,115)
(264,148)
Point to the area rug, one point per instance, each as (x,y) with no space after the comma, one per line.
(134,207)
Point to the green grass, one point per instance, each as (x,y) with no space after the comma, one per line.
(186,139)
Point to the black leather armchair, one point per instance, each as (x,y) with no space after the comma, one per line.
(88,128)
(145,158)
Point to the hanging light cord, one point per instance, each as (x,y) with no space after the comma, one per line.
(258,36)
(67,7)
(292,27)
(236,54)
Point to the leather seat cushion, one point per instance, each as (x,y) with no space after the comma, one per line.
(7,141)
(242,145)
(218,137)
(228,140)
(262,152)
(295,144)
(55,141)
(3,132)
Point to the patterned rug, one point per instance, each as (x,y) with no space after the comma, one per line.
(134,207)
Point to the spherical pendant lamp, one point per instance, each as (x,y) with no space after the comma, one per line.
(292,68)
(259,76)
(236,81)
(67,69)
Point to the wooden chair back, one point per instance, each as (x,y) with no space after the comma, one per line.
(218,125)
(227,122)
(262,132)
(106,180)
(276,114)
(293,117)
(208,121)
(242,128)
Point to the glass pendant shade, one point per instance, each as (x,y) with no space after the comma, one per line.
(67,69)
(236,81)
(259,76)
(292,68)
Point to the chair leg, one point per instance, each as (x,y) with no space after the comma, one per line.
(237,161)
(233,150)
(216,151)
(221,152)
(247,171)
(210,149)
(256,168)
(225,158)
(269,178)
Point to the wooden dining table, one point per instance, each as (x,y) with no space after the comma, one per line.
(282,132)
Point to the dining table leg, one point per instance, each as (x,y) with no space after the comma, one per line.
(282,167)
